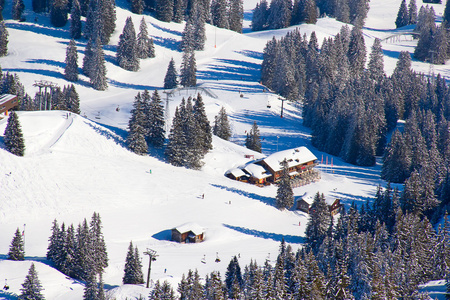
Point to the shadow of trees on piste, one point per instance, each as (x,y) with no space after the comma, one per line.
(266,200)
(111,133)
(40,29)
(291,239)
(231,69)
(168,43)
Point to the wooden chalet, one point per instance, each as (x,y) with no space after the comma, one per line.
(188,233)
(7,102)
(335,207)
(302,205)
(268,170)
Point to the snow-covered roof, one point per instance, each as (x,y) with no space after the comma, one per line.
(236,172)
(294,157)
(6,97)
(194,227)
(257,171)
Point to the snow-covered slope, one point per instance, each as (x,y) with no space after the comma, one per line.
(75,165)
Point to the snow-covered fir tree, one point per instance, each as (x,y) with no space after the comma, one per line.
(222,126)
(171,78)
(318,223)
(219,13)
(259,16)
(58,13)
(3,39)
(31,287)
(72,100)
(162,291)
(133,267)
(17,9)
(90,288)
(178,11)
(137,6)
(236,15)
(100,19)
(402,15)
(285,196)
(87,59)
(253,139)
(145,47)
(100,255)
(233,278)
(188,69)
(71,69)
(164,10)
(204,134)
(412,12)
(97,74)
(16,249)
(13,137)
(136,126)
(75,20)
(155,122)
(127,48)
(176,149)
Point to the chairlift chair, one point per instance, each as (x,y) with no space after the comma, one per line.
(217,258)
(203,259)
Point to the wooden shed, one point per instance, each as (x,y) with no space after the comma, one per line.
(188,233)
(335,207)
(302,205)
(7,102)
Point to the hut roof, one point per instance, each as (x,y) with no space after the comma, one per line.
(194,227)
(294,157)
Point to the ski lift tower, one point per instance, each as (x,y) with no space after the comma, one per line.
(47,97)
(167,111)
(152,257)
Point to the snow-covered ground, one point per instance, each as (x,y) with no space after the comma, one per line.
(75,165)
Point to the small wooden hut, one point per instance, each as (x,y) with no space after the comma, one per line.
(7,102)
(188,233)
(302,205)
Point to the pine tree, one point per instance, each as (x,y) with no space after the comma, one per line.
(164,10)
(176,147)
(145,48)
(233,278)
(127,48)
(53,241)
(137,6)
(90,288)
(279,15)
(402,15)
(87,59)
(285,195)
(72,99)
(100,256)
(100,20)
(58,13)
(376,64)
(171,80)
(219,13)
(178,11)
(3,39)
(75,20)
(136,126)
(412,12)
(97,75)
(71,69)
(205,134)
(155,122)
(356,51)
(222,127)
(236,15)
(31,287)
(13,137)
(259,16)
(16,250)
(318,223)
(253,140)
(17,9)
(188,69)
(191,130)
(133,268)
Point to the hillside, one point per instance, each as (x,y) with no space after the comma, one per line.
(75,165)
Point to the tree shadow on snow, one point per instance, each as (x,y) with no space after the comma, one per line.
(50,31)
(266,200)
(165,235)
(132,86)
(168,43)
(48,73)
(231,69)
(291,239)
(117,135)
(8,295)
(47,62)
(168,30)
(251,54)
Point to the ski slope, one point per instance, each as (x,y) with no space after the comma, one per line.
(77,164)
